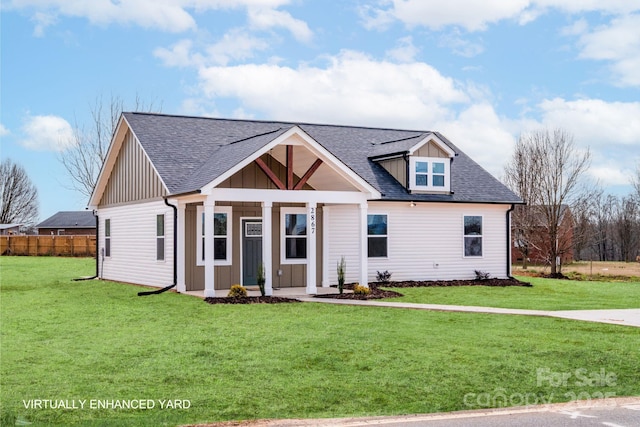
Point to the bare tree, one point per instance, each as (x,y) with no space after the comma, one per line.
(555,168)
(625,225)
(18,195)
(635,181)
(85,156)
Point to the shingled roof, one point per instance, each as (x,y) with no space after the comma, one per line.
(190,152)
(69,219)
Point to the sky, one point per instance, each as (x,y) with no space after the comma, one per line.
(480,72)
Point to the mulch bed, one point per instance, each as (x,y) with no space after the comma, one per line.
(374,293)
(249,300)
(443,283)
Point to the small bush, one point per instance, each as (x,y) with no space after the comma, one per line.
(481,275)
(261,279)
(237,291)
(342,267)
(383,277)
(360,290)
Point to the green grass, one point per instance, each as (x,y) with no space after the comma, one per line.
(98,340)
(546,294)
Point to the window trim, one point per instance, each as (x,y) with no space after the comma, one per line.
(107,237)
(378,235)
(161,237)
(283,236)
(228,210)
(430,187)
(464,236)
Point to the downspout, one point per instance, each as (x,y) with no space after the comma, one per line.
(509,240)
(97,251)
(175,253)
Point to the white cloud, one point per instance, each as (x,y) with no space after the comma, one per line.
(3,130)
(405,50)
(235,45)
(266,18)
(179,55)
(166,15)
(618,42)
(352,89)
(47,133)
(459,45)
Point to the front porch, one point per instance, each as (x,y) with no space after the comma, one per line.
(295,292)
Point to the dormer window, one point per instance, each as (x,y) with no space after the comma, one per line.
(429,174)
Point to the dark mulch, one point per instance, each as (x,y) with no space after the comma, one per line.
(442,283)
(249,300)
(374,293)
(555,276)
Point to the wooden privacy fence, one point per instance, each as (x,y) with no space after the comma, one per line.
(48,245)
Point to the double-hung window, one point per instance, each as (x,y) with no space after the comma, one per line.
(294,235)
(429,174)
(107,237)
(221,227)
(160,237)
(377,242)
(472,236)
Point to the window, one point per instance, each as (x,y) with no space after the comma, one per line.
(221,235)
(429,174)
(107,237)
(294,235)
(377,236)
(160,237)
(473,236)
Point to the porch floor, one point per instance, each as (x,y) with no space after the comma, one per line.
(254,291)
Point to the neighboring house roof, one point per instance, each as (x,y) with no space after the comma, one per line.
(190,152)
(69,219)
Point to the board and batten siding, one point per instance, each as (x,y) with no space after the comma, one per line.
(133,244)
(133,178)
(424,242)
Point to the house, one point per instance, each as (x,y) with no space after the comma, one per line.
(202,202)
(531,236)
(66,223)
(10,229)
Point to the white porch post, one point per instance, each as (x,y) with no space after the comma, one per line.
(312,219)
(325,246)
(267,247)
(363,245)
(209,272)
(180,253)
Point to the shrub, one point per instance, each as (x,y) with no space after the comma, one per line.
(237,291)
(342,267)
(360,290)
(481,275)
(261,279)
(383,277)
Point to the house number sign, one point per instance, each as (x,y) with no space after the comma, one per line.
(312,220)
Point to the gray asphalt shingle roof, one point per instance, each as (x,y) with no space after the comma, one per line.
(190,152)
(69,219)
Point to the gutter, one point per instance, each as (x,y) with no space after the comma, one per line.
(175,253)
(508,221)
(97,251)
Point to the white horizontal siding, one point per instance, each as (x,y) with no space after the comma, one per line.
(424,242)
(133,244)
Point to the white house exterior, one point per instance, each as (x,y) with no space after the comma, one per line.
(200,203)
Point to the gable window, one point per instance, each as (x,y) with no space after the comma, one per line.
(473,236)
(377,236)
(294,235)
(107,237)
(160,237)
(429,173)
(221,235)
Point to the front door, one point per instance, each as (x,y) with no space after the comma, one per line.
(251,250)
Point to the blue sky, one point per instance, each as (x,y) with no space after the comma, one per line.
(481,73)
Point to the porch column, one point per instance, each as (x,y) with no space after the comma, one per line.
(364,281)
(312,218)
(180,253)
(267,248)
(209,272)
(325,246)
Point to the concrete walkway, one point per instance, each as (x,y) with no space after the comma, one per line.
(627,317)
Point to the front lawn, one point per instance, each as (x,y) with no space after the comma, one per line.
(546,294)
(98,341)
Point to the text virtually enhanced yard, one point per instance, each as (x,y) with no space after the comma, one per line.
(94,353)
